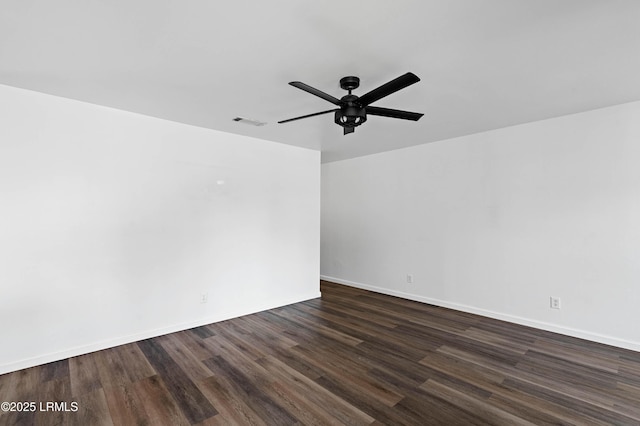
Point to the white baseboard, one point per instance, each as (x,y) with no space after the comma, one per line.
(123,340)
(581,334)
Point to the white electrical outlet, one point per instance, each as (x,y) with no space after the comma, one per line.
(204,298)
(409,278)
(554,302)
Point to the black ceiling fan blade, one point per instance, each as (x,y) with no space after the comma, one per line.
(388,88)
(393,113)
(308,115)
(300,85)
(348,130)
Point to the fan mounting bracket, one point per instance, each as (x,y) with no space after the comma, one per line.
(349,83)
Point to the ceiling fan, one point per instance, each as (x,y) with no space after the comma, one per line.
(352,110)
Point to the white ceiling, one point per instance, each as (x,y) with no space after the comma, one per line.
(484,64)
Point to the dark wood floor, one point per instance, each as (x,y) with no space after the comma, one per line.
(351,357)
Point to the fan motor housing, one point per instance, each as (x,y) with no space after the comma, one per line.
(351,115)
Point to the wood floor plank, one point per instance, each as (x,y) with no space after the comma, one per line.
(302,408)
(276,393)
(350,357)
(220,420)
(125,405)
(321,397)
(363,402)
(248,345)
(234,410)
(202,332)
(54,370)
(188,362)
(436,411)
(366,332)
(315,327)
(302,328)
(494,339)
(54,391)
(135,363)
(17,418)
(575,401)
(92,410)
(112,368)
(84,373)
(347,306)
(475,406)
(22,385)
(159,406)
(539,411)
(248,390)
(193,404)
(294,361)
(336,371)
(629,372)
(457,370)
(605,362)
(196,345)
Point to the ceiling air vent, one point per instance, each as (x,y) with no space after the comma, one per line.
(249,121)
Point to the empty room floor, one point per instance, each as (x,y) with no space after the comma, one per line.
(350,357)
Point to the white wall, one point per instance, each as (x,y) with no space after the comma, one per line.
(496,223)
(113,224)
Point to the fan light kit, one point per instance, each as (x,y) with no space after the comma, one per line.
(353,110)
